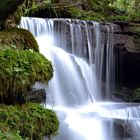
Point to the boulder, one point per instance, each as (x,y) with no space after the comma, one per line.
(7,8)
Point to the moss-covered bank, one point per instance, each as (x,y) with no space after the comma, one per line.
(30,121)
(19,70)
(17,38)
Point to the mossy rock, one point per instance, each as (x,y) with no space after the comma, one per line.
(19,70)
(17,38)
(7,134)
(31,121)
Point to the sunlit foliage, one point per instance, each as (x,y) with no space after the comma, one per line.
(29,122)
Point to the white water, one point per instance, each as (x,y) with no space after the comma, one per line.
(71,46)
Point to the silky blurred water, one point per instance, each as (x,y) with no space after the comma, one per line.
(81,59)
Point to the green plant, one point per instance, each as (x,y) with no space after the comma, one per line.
(6,134)
(30,121)
(119,18)
(32,6)
(19,70)
(127,8)
(85,15)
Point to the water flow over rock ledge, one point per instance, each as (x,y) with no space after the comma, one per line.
(83,57)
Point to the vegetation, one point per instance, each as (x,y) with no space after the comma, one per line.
(18,39)
(81,14)
(31,6)
(21,65)
(7,134)
(28,121)
(19,70)
(128,10)
(107,10)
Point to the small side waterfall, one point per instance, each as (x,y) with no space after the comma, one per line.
(82,55)
(105,62)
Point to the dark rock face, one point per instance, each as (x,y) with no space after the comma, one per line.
(127,50)
(7,8)
(38,96)
(128,35)
(122,129)
(131,69)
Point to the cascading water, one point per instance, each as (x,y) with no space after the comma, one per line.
(105,67)
(82,58)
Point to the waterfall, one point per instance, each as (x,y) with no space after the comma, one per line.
(105,62)
(82,55)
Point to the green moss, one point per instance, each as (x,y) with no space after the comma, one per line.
(134,17)
(119,18)
(21,39)
(85,15)
(123,17)
(19,70)
(7,134)
(30,121)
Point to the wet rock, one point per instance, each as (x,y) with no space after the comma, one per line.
(122,129)
(129,35)
(127,67)
(38,96)
(127,53)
